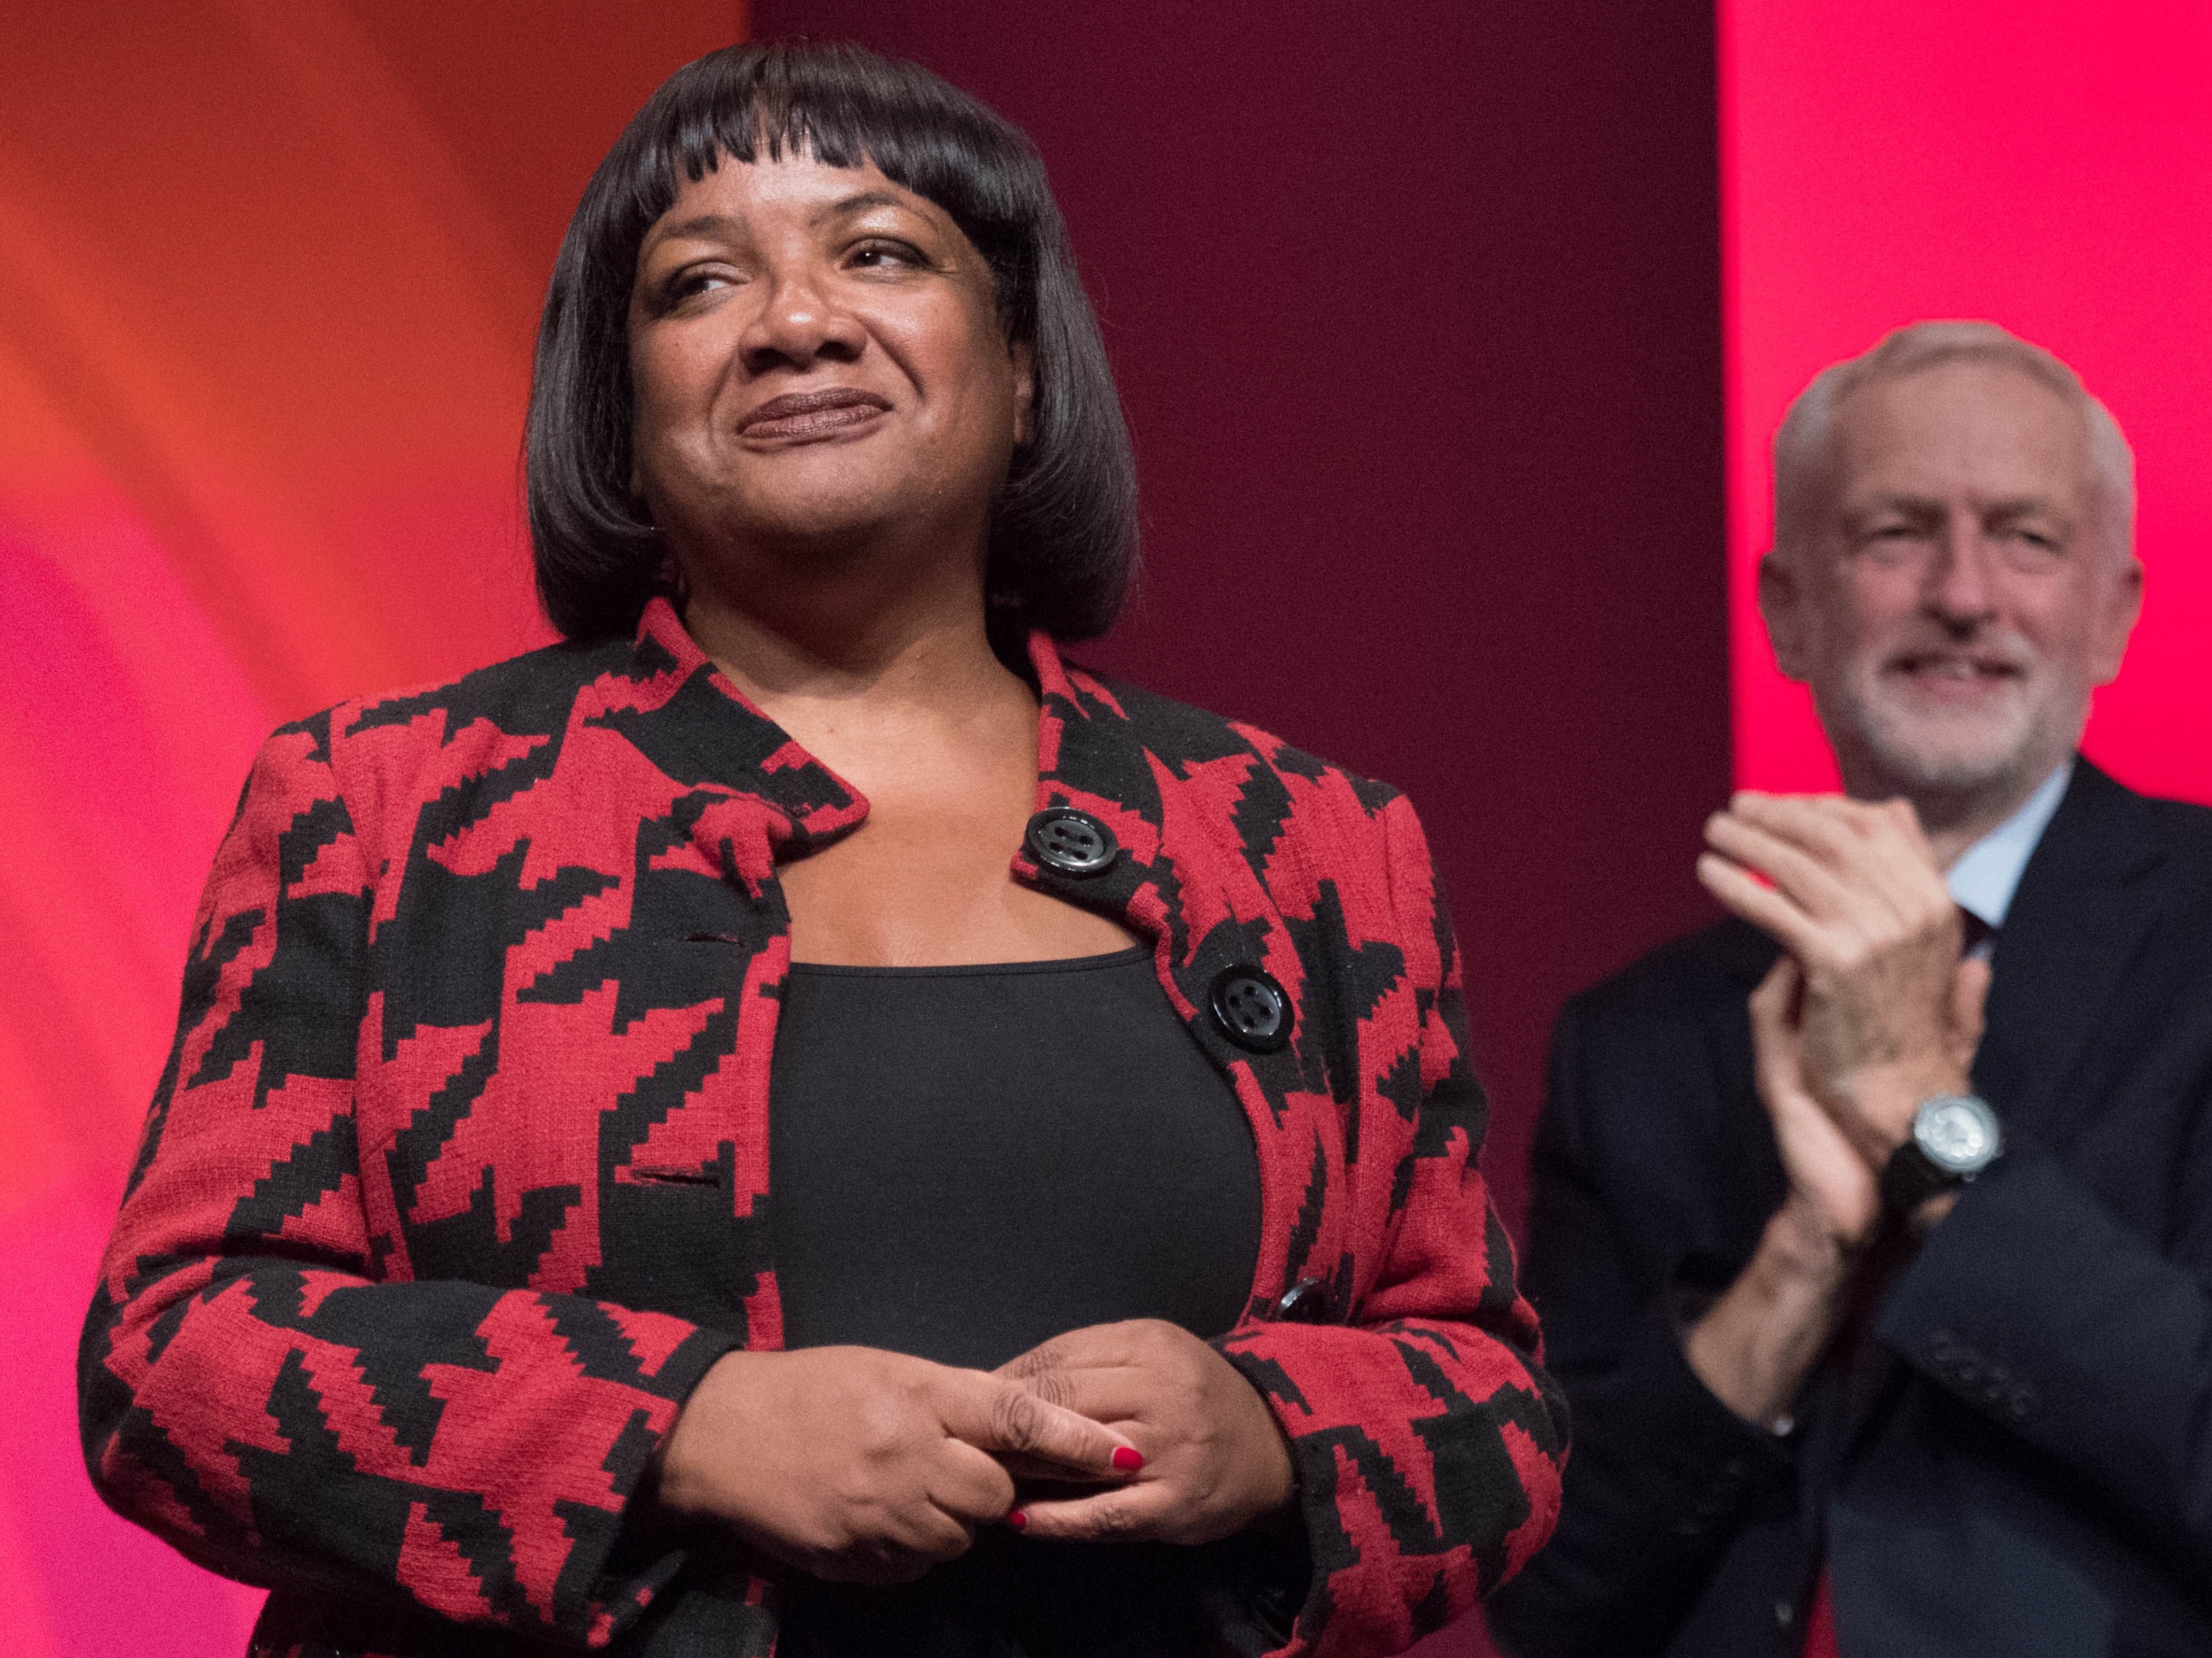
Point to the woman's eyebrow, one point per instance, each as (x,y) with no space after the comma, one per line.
(702,224)
(859,202)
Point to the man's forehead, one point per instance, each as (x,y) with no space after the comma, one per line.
(1960,429)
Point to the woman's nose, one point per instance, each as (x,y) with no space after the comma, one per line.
(798,322)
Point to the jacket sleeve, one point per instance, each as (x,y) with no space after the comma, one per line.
(1427,1440)
(2034,1304)
(1663,1474)
(252,1391)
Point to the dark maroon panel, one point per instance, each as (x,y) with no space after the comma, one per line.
(1416,313)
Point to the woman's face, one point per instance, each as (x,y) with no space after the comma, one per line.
(817,359)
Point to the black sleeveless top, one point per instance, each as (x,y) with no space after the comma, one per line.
(965,1161)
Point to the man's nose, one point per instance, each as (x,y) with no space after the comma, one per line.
(800,320)
(1958,592)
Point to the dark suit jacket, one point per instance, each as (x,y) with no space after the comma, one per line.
(457,1180)
(2022,1464)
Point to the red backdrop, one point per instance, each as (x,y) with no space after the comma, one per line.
(268,275)
(2038,163)
(1417,312)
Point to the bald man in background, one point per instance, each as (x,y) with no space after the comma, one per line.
(1872,1229)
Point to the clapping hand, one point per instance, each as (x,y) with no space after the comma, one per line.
(1884,1013)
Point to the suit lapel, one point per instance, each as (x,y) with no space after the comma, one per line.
(2084,905)
(2083,908)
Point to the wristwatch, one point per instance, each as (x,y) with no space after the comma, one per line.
(1954,1136)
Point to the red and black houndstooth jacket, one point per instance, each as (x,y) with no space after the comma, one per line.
(455,1183)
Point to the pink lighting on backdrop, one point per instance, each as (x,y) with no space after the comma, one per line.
(269,273)
(2034,162)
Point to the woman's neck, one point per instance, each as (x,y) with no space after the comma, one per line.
(843,659)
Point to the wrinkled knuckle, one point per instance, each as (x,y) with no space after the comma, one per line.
(1053,1387)
(1116,1521)
(1018,1417)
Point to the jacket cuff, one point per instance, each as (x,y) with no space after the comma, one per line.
(1704,1462)
(637,1560)
(1983,1314)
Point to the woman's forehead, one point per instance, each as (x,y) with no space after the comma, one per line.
(796,183)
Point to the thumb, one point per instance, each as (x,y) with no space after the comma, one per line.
(1970,994)
(1001,1416)
(1774,1005)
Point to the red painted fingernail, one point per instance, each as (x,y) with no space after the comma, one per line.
(1128,1459)
(1018,1519)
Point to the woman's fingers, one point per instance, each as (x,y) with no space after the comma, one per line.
(1130,1514)
(1001,1415)
(969,1485)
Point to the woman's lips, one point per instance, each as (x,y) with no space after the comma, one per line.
(798,416)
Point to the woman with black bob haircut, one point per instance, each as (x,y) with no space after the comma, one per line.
(1063,540)
(798,1120)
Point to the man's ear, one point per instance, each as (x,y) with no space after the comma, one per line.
(1024,361)
(2122,605)
(1781,606)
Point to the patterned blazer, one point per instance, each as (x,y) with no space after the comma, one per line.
(455,1183)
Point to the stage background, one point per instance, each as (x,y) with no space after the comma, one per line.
(2040,164)
(1418,310)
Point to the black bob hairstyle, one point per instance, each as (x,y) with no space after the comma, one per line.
(1063,542)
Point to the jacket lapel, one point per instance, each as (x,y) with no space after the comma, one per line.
(1196,895)
(2084,907)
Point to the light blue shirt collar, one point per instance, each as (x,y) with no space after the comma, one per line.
(1988,872)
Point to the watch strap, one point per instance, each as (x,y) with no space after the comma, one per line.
(1911,1177)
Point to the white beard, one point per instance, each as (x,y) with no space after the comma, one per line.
(1876,725)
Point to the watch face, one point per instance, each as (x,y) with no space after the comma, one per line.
(1960,1134)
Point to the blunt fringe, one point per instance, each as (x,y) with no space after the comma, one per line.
(1063,537)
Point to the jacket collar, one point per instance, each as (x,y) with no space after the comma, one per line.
(2086,902)
(702,731)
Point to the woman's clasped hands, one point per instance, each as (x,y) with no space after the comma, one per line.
(860,1466)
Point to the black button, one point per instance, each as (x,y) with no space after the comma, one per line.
(1305,1302)
(1074,843)
(1252,1009)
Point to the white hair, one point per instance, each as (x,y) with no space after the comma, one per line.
(1804,444)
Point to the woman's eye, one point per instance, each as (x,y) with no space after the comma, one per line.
(875,256)
(689,284)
